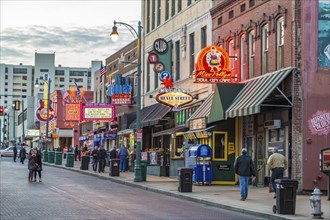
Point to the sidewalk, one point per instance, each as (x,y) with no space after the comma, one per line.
(259,203)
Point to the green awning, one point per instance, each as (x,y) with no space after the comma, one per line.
(254,93)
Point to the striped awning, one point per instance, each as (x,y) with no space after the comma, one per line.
(254,93)
(203,110)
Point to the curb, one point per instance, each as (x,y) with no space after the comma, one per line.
(177,195)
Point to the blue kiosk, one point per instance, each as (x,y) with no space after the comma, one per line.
(202,170)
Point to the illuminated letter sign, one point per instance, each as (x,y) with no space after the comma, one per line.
(41,113)
(212,66)
(174,98)
(97,112)
(72,112)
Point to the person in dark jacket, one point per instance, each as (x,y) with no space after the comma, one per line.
(15,153)
(95,158)
(101,156)
(39,167)
(244,168)
(76,151)
(113,153)
(22,154)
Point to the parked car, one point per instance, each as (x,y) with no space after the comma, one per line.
(9,151)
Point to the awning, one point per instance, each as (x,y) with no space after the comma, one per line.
(151,115)
(126,131)
(255,91)
(169,131)
(199,133)
(214,107)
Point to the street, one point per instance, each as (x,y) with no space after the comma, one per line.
(69,195)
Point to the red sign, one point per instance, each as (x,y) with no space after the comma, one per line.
(121,99)
(41,112)
(139,136)
(153,58)
(97,112)
(212,66)
(319,123)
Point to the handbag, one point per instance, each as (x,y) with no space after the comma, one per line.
(39,168)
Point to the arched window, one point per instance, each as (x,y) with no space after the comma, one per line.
(242,56)
(264,49)
(251,52)
(280,43)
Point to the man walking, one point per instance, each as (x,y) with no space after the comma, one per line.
(101,155)
(244,168)
(122,155)
(22,154)
(95,159)
(277,163)
(15,153)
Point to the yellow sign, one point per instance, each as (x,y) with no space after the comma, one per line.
(174,99)
(54,135)
(231,148)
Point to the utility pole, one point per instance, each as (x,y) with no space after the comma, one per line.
(23,138)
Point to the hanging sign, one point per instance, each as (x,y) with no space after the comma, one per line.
(160,46)
(41,113)
(212,66)
(72,111)
(174,97)
(97,112)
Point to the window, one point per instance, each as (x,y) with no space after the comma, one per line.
(242,7)
(203,37)
(173,8)
(6,76)
(59,72)
(6,84)
(280,43)
(188,2)
(159,12)
(155,80)
(220,145)
(231,52)
(153,14)
(148,16)
(20,71)
(192,52)
(251,53)
(6,90)
(220,21)
(44,70)
(24,77)
(231,14)
(24,90)
(148,77)
(78,73)
(179,5)
(177,60)
(167,9)
(251,3)
(6,70)
(264,49)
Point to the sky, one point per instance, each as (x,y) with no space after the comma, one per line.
(77,31)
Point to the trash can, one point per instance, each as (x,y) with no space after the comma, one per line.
(69,160)
(144,164)
(114,167)
(45,155)
(285,196)
(185,179)
(84,162)
(58,158)
(51,156)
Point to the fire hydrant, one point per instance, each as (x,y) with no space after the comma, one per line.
(315,201)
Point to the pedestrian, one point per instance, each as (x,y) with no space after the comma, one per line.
(39,166)
(123,156)
(95,158)
(15,152)
(32,164)
(113,153)
(277,163)
(70,149)
(76,150)
(101,155)
(22,154)
(244,168)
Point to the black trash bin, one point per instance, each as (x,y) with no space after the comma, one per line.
(114,167)
(85,162)
(285,196)
(185,179)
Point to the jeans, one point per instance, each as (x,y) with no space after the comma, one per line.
(95,162)
(244,185)
(122,166)
(277,173)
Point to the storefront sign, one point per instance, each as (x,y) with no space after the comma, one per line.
(319,123)
(41,113)
(33,133)
(121,91)
(174,98)
(223,167)
(212,66)
(153,58)
(121,99)
(97,112)
(160,46)
(72,111)
(139,136)
(198,123)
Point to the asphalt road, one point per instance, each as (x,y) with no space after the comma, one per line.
(70,195)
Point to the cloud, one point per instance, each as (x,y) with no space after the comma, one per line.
(74,46)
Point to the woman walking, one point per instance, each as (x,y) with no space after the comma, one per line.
(32,164)
(39,167)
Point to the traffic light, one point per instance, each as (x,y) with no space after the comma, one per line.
(2,110)
(17,105)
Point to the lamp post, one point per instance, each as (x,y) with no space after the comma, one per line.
(114,36)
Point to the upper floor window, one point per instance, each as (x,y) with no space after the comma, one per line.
(188,2)
(192,52)
(251,52)
(44,70)
(59,72)
(179,5)
(243,7)
(153,14)
(148,16)
(231,52)
(280,43)
(6,70)
(177,60)
(20,71)
(203,37)
(173,8)
(159,12)
(148,77)
(167,9)
(264,49)
(230,14)
(251,3)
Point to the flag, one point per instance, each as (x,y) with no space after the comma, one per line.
(78,90)
(103,71)
(65,94)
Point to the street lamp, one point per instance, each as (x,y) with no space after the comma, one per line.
(48,82)
(114,37)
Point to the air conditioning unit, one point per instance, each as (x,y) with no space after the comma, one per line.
(272,124)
